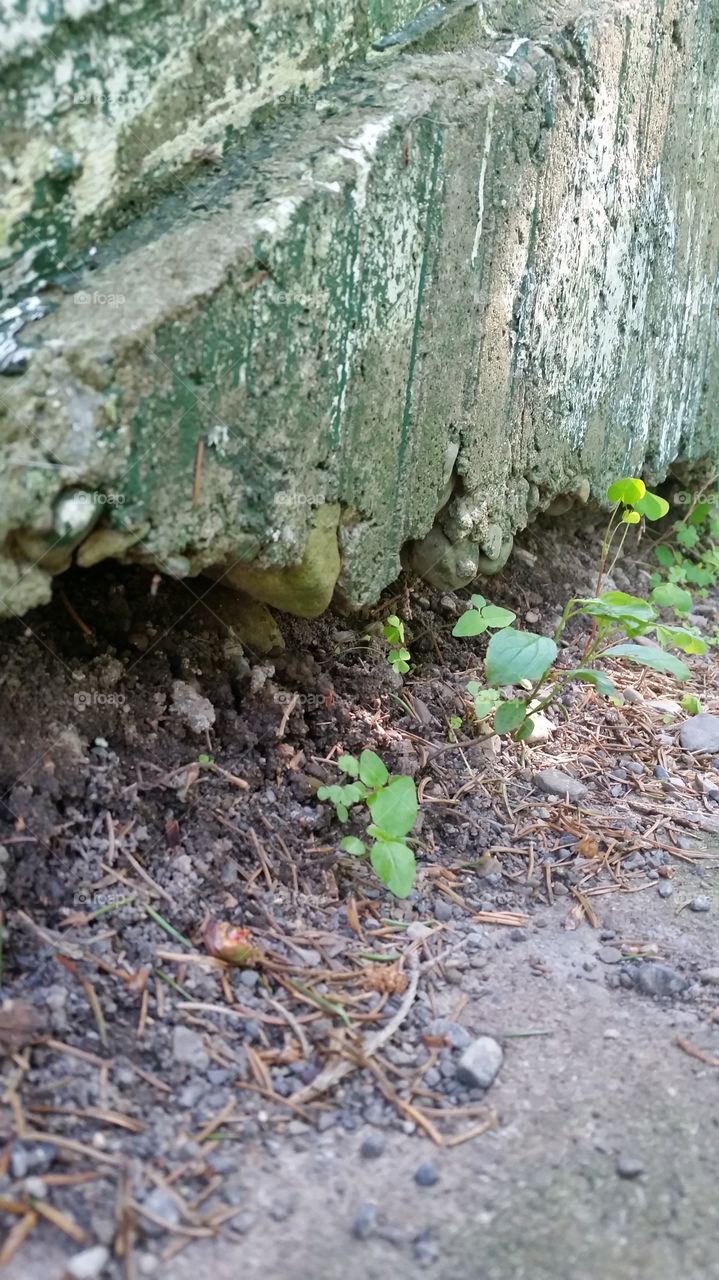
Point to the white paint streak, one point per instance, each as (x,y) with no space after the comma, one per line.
(482,176)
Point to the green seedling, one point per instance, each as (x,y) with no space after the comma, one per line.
(398,656)
(392,805)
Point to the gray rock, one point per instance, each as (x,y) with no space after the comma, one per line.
(365,1223)
(162,1205)
(243,1222)
(556,783)
(700,904)
(193,709)
(480,1063)
(425,1248)
(456,1035)
(373,1146)
(609,955)
(700,733)
(665,889)
(426,1175)
(188,1049)
(661,773)
(89,1264)
(654,979)
(629,1166)
(710,977)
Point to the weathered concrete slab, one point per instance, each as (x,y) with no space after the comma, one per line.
(460,278)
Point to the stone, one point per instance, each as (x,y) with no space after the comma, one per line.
(453,1033)
(365,1222)
(700,904)
(373,1146)
(89,1264)
(542,729)
(188,1049)
(632,696)
(557,783)
(480,1063)
(194,710)
(427,1175)
(710,977)
(306,588)
(655,979)
(162,1205)
(700,733)
(629,1167)
(665,889)
(609,955)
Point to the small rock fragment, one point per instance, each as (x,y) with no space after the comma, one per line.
(632,695)
(372,1146)
(426,1175)
(161,1204)
(609,955)
(193,709)
(188,1049)
(701,903)
(710,977)
(629,1166)
(557,783)
(654,979)
(665,889)
(89,1264)
(700,733)
(542,729)
(480,1063)
(365,1222)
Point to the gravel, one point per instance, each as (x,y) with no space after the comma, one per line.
(556,783)
(480,1062)
(426,1175)
(629,1166)
(188,1049)
(365,1222)
(665,889)
(700,904)
(89,1264)
(700,733)
(654,979)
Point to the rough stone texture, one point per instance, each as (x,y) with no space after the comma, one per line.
(263,261)
(700,733)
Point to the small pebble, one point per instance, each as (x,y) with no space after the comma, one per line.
(609,955)
(372,1146)
(89,1264)
(480,1063)
(632,695)
(426,1175)
(661,773)
(710,976)
(629,1166)
(365,1222)
(557,783)
(665,889)
(700,904)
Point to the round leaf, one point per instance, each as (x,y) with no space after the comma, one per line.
(627,490)
(349,765)
(478,601)
(471,623)
(352,845)
(515,655)
(670,596)
(631,517)
(652,506)
(394,808)
(509,715)
(395,865)
(657,659)
(495,616)
(372,770)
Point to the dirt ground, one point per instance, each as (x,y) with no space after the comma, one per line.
(155,776)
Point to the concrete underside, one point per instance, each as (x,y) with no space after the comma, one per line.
(287,279)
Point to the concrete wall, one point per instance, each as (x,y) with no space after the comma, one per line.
(291,288)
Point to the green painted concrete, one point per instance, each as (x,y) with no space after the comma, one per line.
(424,267)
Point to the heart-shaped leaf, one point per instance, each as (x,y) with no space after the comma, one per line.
(471,623)
(394,808)
(395,865)
(515,655)
(495,616)
(651,506)
(372,771)
(627,490)
(352,845)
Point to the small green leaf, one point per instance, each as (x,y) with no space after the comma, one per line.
(670,596)
(525,730)
(473,687)
(395,865)
(478,601)
(687,536)
(602,683)
(349,764)
(204,759)
(342,812)
(664,555)
(631,517)
(682,638)
(471,623)
(372,770)
(352,845)
(620,606)
(515,655)
(627,490)
(651,506)
(657,659)
(496,617)
(691,704)
(509,715)
(394,808)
